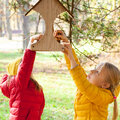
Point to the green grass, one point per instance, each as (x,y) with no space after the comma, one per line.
(59,93)
(4,107)
(7,56)
(58,87)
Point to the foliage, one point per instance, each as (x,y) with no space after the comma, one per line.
(95,22)
(18,4)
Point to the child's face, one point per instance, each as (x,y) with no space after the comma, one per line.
(98,76)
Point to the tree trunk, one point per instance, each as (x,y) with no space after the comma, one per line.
(9,31)
(25,28)
(25,24)
(0,25)
(1,13)
(37,24)
(4,28)
(26,31)
(43,27)
(71,20)
(18,23)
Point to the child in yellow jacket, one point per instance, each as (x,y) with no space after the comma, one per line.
(96,90)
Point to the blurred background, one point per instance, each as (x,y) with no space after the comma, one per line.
(94,33)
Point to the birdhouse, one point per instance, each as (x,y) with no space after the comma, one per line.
(49,9)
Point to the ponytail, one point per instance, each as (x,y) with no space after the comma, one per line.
(115,107)
(113,77)
(115,110)
(37,85)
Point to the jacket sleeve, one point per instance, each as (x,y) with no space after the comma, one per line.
(4,87)
(95,94)
(25,68)
(68,61)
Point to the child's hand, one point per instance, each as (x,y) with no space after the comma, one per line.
(67,48)
(60,36)
(34,39)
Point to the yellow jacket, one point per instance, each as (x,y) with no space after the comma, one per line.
(91,102)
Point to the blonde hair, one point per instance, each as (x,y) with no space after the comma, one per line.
(12,69)
(113,78)
(37,85)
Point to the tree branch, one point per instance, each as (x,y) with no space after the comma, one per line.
(83,53)
(71,20)
(110,12)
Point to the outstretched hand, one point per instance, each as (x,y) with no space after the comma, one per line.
(60,36)
(67,48)
(34,39)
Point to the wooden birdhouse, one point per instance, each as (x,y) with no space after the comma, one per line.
(49,9)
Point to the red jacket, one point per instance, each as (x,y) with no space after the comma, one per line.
(26,103)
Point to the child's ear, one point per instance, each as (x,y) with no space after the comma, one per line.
(106,85)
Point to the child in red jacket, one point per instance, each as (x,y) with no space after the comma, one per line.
(25,94)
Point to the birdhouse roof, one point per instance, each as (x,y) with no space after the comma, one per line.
(40,1)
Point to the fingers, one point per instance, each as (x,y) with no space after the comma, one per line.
(61,37)
(36,38)
(58,32)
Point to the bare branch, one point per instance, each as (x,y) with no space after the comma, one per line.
(110,12)
(83,53)
(71,20)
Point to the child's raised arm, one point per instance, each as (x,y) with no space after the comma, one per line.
(59,35)
(95,94)
(26,65)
